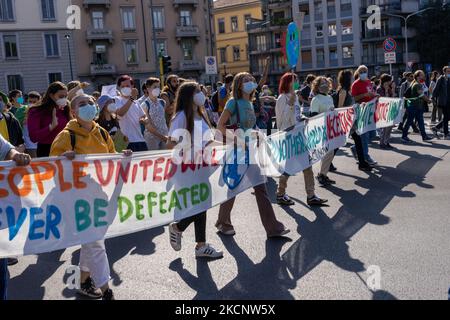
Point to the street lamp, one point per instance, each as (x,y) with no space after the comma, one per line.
(405,19)
(67,36)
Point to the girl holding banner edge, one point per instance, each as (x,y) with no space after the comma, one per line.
(288,114)
(239,111)
(84,136)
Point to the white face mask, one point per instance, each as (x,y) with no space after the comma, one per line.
(61,102)
(156,92)
(363,76)
(199,99)
(126,92)
(249,87)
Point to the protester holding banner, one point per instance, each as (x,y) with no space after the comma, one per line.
(304,94)
(288,115)
(7,152)
(46,120)
(190,120)
(84,136)
(34,98)
(416,101)
(385,89)
(345,99)
(156,131)
(321,103)
(130,114)
(10,127)
(240,112)
(363,92)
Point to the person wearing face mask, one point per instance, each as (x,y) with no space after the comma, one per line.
(288,113)
(47,119)
(415,101)
(386,90)
(18,107)
(108,121)
(441,95)
(10,128)
(409,78)
(239,112)
(83,135)
(130,114)
(191,120)
(321,103)
(168,94)
(34,98)
(156,131)
(363,92)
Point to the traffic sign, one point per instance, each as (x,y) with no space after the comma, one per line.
(389,57)
(389,45)
(211,65)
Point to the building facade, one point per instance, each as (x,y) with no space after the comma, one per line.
(231,20)
(35,44)
(127,36)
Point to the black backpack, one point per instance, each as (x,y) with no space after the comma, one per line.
(73,137)
(215,101)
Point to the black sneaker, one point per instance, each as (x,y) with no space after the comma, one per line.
(316,201)
(427,138)
(322,180)
(365,167)
(108,295)
(12,261)
(416,130)
(332,168)
(284,200)
(330,181)
(88,289)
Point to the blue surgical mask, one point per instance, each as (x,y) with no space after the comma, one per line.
(20,100)
(363,76)
(249,87)
(87,112)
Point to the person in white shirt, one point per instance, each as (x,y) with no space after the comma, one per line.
(288,113)
(191,121)
(321,103)
(130,114)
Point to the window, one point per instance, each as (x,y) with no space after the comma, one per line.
(158,18)
(261,43)
(15,82)
(131,53)
(48,10)
(223,55)
(100,55)
(333,53)
(6,10)
(347,52)
(347,27)
(55,76)
(128,20)
(185,18)
(318,9)
(346,5)
(304,8)
(306,57)
(161,47)
(51,45)
(236,53)
(332,29)
(260,64)
(319,31)
(306,34)
(221,23)
(187,47)
(331,6)
(97,19)
(10,42)
(320,56)
(234,24)
(248,21)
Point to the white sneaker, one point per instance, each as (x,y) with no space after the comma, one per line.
(207,251)
(174,237)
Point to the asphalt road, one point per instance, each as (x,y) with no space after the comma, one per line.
(395,220)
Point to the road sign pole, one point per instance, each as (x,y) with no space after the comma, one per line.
(390,69)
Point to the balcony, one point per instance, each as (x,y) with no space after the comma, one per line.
(393,7)
(190,65)
(375,35)
(103,69)
(188,32)
(87,3)
(99,34)
(279,4)
(177,3)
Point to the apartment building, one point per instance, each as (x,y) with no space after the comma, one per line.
(231,19)
(35,44)
(127,36)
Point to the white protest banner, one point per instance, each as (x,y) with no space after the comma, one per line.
(376,115)
(294,151)
(56,203)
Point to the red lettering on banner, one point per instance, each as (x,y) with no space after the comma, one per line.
(78,173)
(145,164)
(157,170)
(40,177)
(3,192)
(123,173)
(99,170)
(133,176)
(25,175)
(170,170)
(63,185)
(381,111)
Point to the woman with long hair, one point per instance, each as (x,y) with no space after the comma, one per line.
(239,111)
(190,118)
(46,120)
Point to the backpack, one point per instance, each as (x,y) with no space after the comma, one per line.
(73,137)
(215,101)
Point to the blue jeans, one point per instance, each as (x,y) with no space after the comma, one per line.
(3,278)
(414,113)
